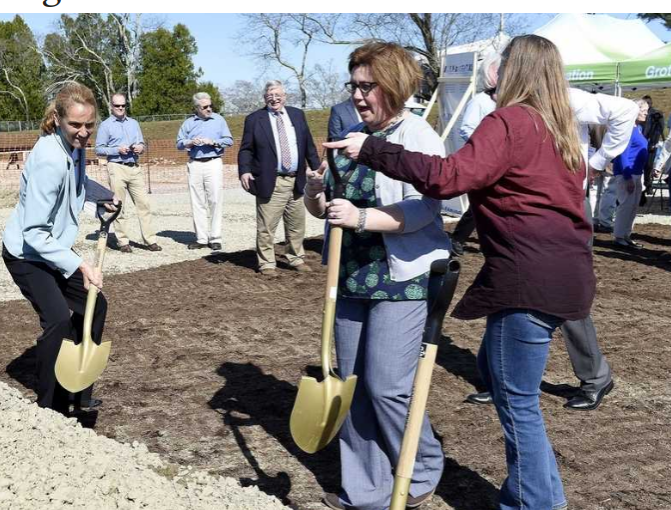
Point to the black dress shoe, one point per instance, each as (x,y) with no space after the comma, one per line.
(457,248)
(215,246)
(416,502)
(480,398)
(589,400)
(196,246)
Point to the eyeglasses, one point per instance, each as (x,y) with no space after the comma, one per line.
(206,107)
(364,86)
(119,105)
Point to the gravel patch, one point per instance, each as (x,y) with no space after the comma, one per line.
(50,462)
(174,225)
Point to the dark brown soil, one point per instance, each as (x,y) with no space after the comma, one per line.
(207,354)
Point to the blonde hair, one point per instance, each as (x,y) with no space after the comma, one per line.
(70,94)
(532,75)
(394,70)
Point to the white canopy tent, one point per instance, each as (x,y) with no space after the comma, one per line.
(593,45)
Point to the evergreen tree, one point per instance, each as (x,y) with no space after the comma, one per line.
(167,79)
(22,73)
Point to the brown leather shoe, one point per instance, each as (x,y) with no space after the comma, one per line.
(154,247)
(269,271)
(125,248)
(302,268)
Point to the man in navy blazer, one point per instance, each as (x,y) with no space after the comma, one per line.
(343,116)
(276,142)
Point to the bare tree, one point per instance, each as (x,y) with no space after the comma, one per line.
(326,86)
(129,29)
(283,40)
(243,97)
(425,34)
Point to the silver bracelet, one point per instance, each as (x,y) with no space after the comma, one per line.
(361,224)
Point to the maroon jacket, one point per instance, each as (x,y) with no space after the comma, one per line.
(528,209)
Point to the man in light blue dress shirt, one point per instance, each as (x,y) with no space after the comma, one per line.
(204,136)
(120,140)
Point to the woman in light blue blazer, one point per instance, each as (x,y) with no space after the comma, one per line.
(40,233)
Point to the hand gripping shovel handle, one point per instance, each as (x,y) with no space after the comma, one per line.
(105,223)
(442,284)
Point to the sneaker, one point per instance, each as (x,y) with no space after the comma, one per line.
(419,500)
(196,246)
(332,501)
(154,247)
(125,248)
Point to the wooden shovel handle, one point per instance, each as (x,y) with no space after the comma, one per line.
(328,320)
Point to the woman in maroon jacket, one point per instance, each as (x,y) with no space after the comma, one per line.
(523,171)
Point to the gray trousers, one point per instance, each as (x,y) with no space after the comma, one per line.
(379,341)
(589,364)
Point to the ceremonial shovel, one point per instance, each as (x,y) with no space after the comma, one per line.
(78,366)
(321,407)
(442,283)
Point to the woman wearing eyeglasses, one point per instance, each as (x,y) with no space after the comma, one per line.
(392,233)
(523,171)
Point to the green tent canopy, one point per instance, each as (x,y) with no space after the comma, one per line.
(652,68)
(600,72)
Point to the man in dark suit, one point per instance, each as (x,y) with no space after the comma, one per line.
(343,115)
(276,142)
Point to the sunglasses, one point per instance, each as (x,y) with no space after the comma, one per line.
(119,105)
(206,107)
(364,86)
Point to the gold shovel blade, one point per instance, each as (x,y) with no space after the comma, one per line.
(320,410)
(78,366)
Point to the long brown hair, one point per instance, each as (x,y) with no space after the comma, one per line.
(394,70)
(532,75)
(70,94)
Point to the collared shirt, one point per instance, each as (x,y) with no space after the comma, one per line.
(114,133)
(213,127)
(291,135)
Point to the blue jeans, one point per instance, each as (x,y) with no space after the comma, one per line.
(511,361)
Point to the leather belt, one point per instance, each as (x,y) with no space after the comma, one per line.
(203,160)
(124,163)
(290,174)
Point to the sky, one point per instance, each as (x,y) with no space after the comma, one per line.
(223,59)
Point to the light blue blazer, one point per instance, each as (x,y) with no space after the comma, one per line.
(44,225)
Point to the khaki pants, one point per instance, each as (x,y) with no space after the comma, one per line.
(284,203)
(206,181)
(131,179)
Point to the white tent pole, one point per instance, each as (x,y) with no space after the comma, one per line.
(464,99)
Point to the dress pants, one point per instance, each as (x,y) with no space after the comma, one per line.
(206,181)
(465,227)
(131,179)
(627,206)
(287,204)
(53,297)
(379,341)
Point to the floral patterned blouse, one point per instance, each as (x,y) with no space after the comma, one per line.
(364,271)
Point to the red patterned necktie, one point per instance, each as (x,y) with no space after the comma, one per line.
(285,151)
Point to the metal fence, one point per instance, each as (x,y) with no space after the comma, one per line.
(164,166)
(7,126)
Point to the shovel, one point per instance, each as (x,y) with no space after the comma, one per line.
(78,366)
(442,283)
(321,407)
